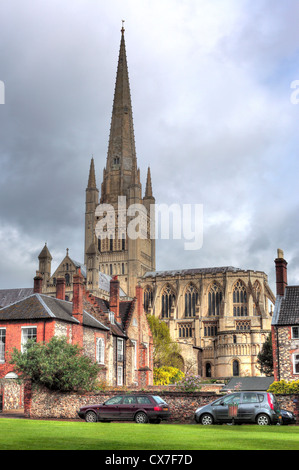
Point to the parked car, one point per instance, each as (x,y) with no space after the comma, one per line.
(242,407)
(287,417)
(139,408)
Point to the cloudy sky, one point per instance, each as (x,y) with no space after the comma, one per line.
(214,117)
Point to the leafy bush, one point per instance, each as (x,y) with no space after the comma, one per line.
(167,375)
(56,365)
(284,388)
(189,383)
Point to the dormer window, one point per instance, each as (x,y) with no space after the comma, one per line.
(111,318)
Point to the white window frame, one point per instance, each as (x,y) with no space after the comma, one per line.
(24,339)
(100,352)
(295,335)
(135,353)
(147,354)
(2,346)
(120,371)
(120,350)
(296,363)
(112,318)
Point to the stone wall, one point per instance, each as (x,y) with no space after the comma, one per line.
(11,395)
(44,404)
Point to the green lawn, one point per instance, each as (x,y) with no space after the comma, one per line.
(23,434)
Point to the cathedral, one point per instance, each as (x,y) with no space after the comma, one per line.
(219,316)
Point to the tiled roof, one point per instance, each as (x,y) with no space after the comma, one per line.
(248,384)
(9,296)
(44,307)
(286,310)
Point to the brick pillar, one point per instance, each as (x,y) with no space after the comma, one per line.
(27,398)
(281,273)
(114,298)
(38,283)
(60,288)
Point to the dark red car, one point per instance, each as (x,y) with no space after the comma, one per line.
(139,408)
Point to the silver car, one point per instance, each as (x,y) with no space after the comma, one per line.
(240,407)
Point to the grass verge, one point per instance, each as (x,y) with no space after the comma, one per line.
(22,434)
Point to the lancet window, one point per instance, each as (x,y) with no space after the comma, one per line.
(215,299)
(168,301)
(191,300)
(240,300)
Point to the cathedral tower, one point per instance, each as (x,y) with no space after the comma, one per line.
(116,252)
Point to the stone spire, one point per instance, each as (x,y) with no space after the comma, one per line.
(92,176)
(148,187)
(121,166)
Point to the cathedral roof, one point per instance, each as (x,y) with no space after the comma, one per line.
(186,272)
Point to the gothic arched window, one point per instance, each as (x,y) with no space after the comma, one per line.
(208,370)
(236,369)
(257,295)
(240,299)
(168,301)
(148,299)
(191,300)
(215,299)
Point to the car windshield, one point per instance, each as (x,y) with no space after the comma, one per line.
(158,400)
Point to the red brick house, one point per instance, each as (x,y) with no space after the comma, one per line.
(114,333)
(285,325)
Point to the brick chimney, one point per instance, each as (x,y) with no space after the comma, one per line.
(139,297)
(281,273)
(60,288)
(38,283)
(114,297)
(78,281)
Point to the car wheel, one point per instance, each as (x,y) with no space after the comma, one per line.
(206,419)
(263,420)
(140,417)
(91,417)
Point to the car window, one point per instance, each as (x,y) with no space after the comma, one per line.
(114,401)
(158,399)
(143,400)
(235,398)
(217,402)
(260,397)
(129,400)
(249,397)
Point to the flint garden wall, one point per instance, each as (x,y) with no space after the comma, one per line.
(42,404)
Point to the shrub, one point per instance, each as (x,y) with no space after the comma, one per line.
(284,388)
(56,365)
(167,375)
(189,383)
